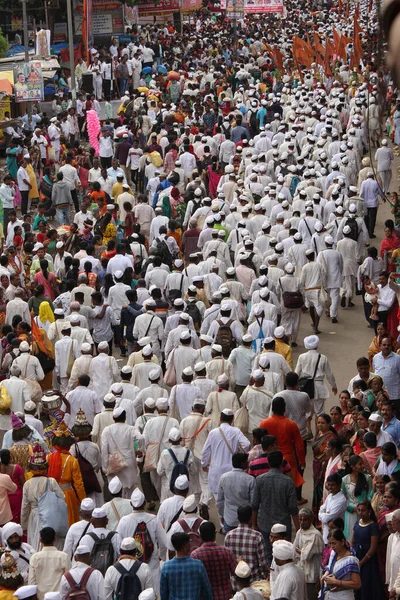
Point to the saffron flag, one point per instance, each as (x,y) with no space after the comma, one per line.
(302,52)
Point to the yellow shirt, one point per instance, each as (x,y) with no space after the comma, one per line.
(285,351)
(116,190)
(33,192)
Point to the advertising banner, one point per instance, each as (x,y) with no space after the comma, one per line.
(253,6)
(163,6)
(103,17)
(28,82)
(191,5)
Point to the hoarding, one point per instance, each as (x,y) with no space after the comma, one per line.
(252,6)
(28,82)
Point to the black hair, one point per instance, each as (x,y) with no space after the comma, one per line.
(259,433)
(238,459)
(279,406)
(207,531)
(275,459)
(179,540)
(47,535)
(362,482)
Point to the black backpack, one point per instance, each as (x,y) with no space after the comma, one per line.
(143,536)
(129,586)
(354,233)
(180,468)
(102,555)
(163,252)
(193,310)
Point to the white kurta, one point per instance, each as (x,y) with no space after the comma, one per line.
(74,535)
(182,398)
(258,403)
(217,402)
(121,437)
(103,372)
(166,464)
(116,509)
(80,367)
(290,583)
(306,366)
(94,586)
(112,578)
(182,357)
(31,492)
(218,456)
(127,527)
(19,392)
(140,374)
(86,399)
(168,509)
(217,366)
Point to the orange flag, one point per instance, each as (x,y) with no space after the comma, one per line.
(347,9)
(329,52)
(340,7)
(340,42)
(302,52)
(278,58)
(357,46)
(320,50)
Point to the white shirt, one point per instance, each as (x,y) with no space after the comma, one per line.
(334,507)
(290,583)
(84,398)
(94,586)
(113,576)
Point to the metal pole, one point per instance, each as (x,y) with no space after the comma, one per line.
(26,47)
(71,50)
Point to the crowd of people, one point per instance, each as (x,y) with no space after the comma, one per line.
(154,423)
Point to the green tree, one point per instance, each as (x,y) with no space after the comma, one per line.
(3,44)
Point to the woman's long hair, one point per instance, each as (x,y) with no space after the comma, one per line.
(362,482)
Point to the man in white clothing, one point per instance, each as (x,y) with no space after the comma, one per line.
(127,528)
(18,389)
(130,558)
(291,581)
(332,269)
(169,457)
(66,351)
(80,528)
(81,574)
(219,447)
(103,371)
(84,398)
(29,364)
(18,306)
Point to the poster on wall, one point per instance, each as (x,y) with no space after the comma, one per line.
(28,82)
(104,17)
(234,9)
(152,7)
(188,6)
(253,6)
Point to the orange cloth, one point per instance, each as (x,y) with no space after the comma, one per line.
(290,443)
(70,476)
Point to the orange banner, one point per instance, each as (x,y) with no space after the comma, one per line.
(302,52)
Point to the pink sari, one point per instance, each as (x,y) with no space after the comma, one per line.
(213,181)
(48,288)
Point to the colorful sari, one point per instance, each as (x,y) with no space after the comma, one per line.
(213,181)
(320,461)
(40,279)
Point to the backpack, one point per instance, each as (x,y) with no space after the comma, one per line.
(142,536)
(129,586)
(89,477)
(253,119)
(225,337)
(175,293)
(354,233)
(180,468)
(163,252)
(193,310)
(78,591)
(102,555)
(193,533)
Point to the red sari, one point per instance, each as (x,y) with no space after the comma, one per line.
(388,244)
(213,181)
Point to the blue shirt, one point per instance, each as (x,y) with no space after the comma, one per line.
(184,579)
(393,428)
(389,369)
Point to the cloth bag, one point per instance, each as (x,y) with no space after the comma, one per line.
(53,511)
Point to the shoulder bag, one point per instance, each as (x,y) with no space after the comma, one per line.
(306,384)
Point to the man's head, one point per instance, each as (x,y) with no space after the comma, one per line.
(99,518)
(278,406)
(240,460)
(181,543)
(362,365)
(47,536)
(387,410)
(82,554)
(386,346)
(207,532)
(383,278)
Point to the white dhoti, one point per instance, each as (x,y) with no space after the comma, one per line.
(312,300)
(290,320)
(386,177)
(348,286)
(334,296)
(199,483)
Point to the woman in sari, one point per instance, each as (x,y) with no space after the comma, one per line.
(47,280)
(391,502)
(178,205)
(37,299)
(45,316)
(342,575)
(334,463)
(14,262)
(388,462)
(357,487)
(378,501)
(32,490)
(320,448)
(371,453)
(214,174)
(343,430)
(389,243)
(17,475)
(375,389)
(2,303)
(64,468)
